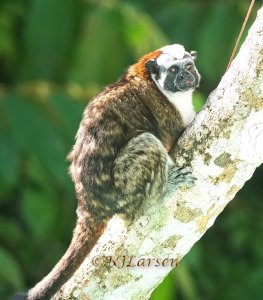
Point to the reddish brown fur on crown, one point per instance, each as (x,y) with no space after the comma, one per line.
(139,69)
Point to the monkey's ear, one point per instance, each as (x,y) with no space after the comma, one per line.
(152,66)
(194,55)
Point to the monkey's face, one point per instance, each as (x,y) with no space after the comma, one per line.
(174,69)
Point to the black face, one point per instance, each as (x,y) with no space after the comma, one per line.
(181,75)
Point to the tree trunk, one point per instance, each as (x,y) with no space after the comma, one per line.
(223,147)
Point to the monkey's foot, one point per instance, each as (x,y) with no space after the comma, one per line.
(179,177)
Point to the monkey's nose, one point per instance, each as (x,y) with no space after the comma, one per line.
(185,80)
(186,77)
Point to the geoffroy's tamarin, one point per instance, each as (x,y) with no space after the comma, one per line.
(121,155)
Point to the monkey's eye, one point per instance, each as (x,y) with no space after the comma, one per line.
(174,69)
(189,66)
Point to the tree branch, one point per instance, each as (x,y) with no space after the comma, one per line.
(223,146)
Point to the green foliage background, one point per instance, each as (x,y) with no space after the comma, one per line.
(54,56)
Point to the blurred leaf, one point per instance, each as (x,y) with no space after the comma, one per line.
(10,16)
(35,132)
(8,159)
(181,27)
(185,282)
(10,272)
(38,209)
(216,39)
(198,101)
(48,35)
(7,43)
(68,111)
(165,290)
(100,50)
(141,32)
(15,234)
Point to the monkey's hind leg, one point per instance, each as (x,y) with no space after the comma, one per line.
(141,170)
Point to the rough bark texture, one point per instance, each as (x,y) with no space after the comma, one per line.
(223,146)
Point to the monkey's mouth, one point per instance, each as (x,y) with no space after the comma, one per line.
(186,81)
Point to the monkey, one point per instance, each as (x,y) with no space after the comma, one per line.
(121,154)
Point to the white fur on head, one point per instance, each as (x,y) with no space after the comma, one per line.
(169,54)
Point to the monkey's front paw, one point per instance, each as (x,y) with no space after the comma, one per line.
(180,176)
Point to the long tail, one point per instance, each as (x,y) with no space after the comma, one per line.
(84,239)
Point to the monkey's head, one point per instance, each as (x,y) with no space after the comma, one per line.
(171,68)
(174,70)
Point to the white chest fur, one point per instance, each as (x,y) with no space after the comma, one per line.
(183,102)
